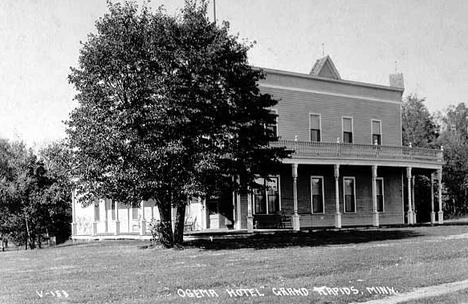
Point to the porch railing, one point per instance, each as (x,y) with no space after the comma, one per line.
(360,151)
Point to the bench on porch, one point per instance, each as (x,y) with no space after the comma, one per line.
(272,221)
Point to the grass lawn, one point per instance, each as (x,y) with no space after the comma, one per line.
(319,267)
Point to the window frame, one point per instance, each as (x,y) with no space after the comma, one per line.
(343,131)
(265,180)
(372,131)
(97,211)
(312,194)
(135,211)
(276,122)
(344,194)
(320,127)
(383,194)
(112,208)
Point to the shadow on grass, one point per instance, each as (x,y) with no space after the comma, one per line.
(313,239)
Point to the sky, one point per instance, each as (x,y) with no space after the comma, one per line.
(367,41)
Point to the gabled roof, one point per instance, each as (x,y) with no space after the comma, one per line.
(324,67)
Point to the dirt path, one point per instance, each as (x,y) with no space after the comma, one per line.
(431,291)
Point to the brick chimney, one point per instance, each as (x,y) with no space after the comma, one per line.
(396,81)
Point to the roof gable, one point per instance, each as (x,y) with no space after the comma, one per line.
(324,67)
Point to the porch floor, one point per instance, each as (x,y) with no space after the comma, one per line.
(212,234)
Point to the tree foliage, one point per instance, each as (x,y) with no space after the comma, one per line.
(33,202)
(168,108)
(454,138)
(418,125)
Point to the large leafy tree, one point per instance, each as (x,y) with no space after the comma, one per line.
(454,138)
(168,108)
(418,125)
(419,129)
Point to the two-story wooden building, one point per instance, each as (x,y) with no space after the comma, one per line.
(348,167)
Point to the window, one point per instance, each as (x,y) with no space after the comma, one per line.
(347,130)
(113,210)
(376,132)
(380,195)
(266,198)
(135,213)
(314,125)
(97,214)
(316,187)
(349,194)
(273,128)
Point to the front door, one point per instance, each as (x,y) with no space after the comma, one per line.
(220,210)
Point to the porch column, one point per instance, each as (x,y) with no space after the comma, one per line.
(238,208)
(94,225)
(413,182)
(432,200)
(117,222)
(337,197)
(410,196)
(250,222)
(203,213)
(74,224)
(441,213)
(375,213)
(106,228)
(142,219)
(296,220)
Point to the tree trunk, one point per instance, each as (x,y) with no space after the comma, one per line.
(165,233)
(179,224)
(28,236)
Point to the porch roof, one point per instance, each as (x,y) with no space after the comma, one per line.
(360,154)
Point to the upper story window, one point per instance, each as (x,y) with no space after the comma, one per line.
(315,127)
(267,198)
(348,130)
(273,128)
(376,132)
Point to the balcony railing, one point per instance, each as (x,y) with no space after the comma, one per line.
(332,150)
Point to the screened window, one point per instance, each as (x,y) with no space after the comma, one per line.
(315,130)
(349,194)
(273,128)
(113,210)
(135,213)
(376,132)
(266,198)
(347,130)
(380,195)
(97,215)
(316,185)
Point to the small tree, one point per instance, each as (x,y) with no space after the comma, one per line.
(168,108)
(32,201)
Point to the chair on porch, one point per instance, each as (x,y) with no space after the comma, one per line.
(189,224)
(285,220)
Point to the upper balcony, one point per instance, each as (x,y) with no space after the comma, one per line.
(341,153)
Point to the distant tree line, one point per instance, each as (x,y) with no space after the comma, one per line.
(447,129)
(34,194)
